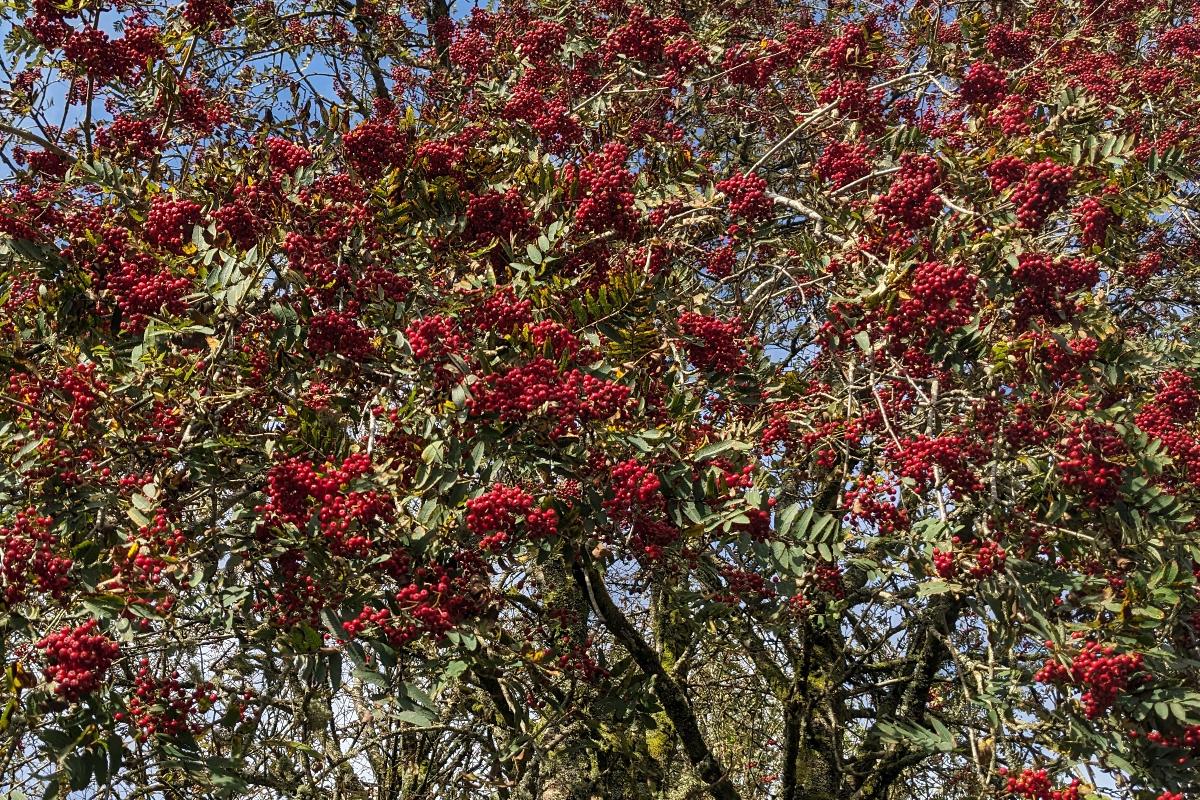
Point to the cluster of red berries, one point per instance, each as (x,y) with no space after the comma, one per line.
(155,542)
(432,602)
(1167,416)
(237,221)
(502,313)
(945,563)
(542,41)
(713,345)
(498,215)
(339,332)
(1015,44)
(163,706)
(826,578)
(131,136)
(437,158)
(650,538)
(285,156)
(1041,192)
(989,560)
(143,287)
(742,586)
(1011,115)
(1036,785)
(101,58)
(640,38)
(1004,172)
(910,202)
(875,501)
(915,458)
(606,187)
(493,516)
(297,488)
(942,297)
(434,337)
(632,486)
(842,163)
(77,659)
(550,118)
(560,340)
(1062,365)
(849,50)
(1099,670)
(1087,460)
(753,65)
(982,84)
(169,222)
(1047,282)
(720,261)
(746,196)
(374,147)
(30,558)
(1093,218)
(76,385)
(200,13)
(569,398)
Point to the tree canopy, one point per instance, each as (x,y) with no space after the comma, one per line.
(746,399)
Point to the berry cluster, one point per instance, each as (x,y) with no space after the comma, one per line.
(434,337)
(297,491)
(1093,218)
(77,659)
(910,202)
(201,13)
(720,262)
(503,313)
(285,156)
(633,486)
(876,502)
(375,147)
(169,222)
(143,288)
(989,559)
(1099,671)
(1004,172)
(713,345)
(1036,785)
(742,586)
(746,195)
(568,398)
(641,38)
(433,600)
(982,84)
(30,559)
(607,190)
(551,119)
(493,516)
(163,706)
(1087,460)
(1166,418)
(131,137)
(649,538)
(1046,283)
(339,332)
(917,457)
(941,297)
(842,163)
(1041,192)
(498,215)
(542,41)
(945,563)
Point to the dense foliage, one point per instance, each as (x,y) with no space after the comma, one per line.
(730,398)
